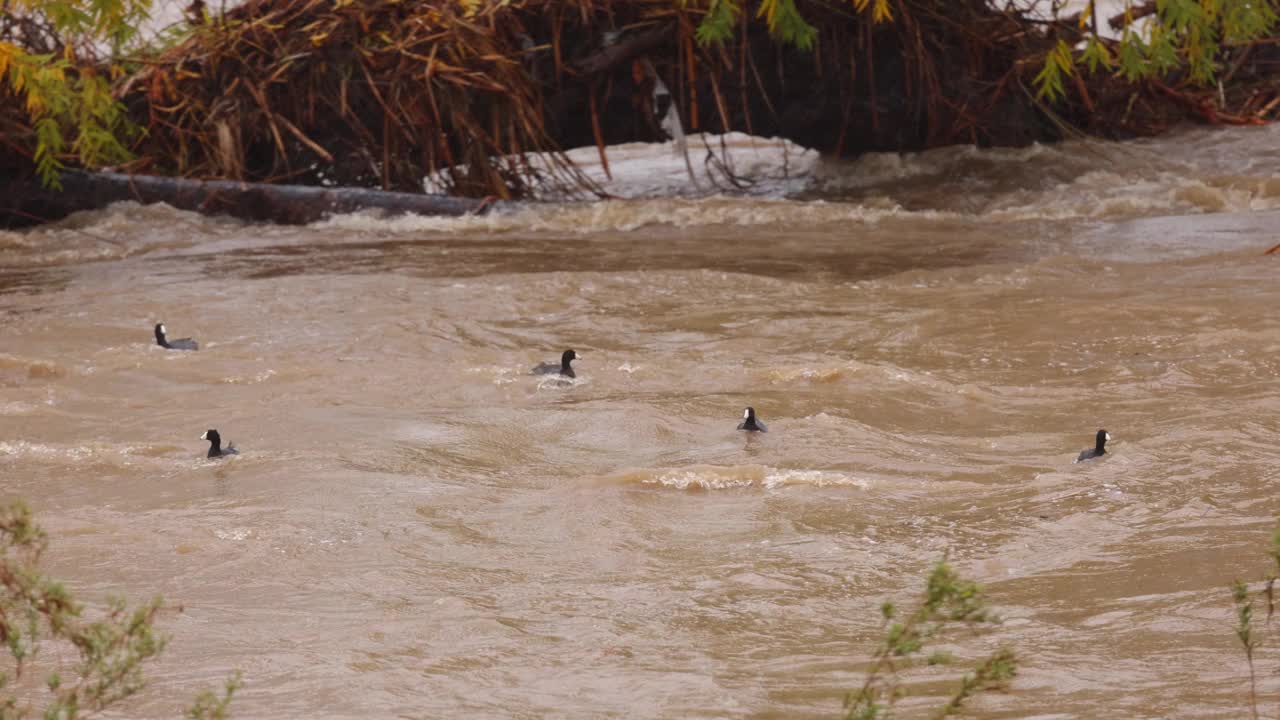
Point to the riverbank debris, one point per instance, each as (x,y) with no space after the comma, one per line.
(482,97)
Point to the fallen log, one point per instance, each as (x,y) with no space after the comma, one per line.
(24,202)
(628,48)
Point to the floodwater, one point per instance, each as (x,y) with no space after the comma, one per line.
(418,528)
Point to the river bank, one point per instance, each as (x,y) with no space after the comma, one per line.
(482,100)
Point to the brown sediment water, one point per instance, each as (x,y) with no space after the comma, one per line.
(419,528)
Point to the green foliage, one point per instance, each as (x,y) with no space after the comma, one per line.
(1132,57)
(64,94)
(880,11)
(1244,617)
(784,19)
(37,611)
(1190,36)
(211,706)
(1095,54)
(786,23)
(63,104)
(113,21)
(1245,22)
(1194,23)
(782,16)
(717,24)
(948,600)
(1245,602)
(1274,551)
(941,657)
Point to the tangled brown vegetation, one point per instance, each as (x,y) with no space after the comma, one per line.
(359,93)
(366,92)
(483,96)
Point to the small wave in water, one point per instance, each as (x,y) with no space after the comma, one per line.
(712,477)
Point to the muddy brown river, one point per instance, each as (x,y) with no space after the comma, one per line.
(418,528)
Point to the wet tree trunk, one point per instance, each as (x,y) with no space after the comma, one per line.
(23,202)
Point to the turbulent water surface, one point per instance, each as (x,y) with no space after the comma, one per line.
(417,527)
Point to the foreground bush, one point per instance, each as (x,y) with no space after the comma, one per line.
(37,614)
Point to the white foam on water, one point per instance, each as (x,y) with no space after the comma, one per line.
(717,477)
(501,375)
(233,534)
(1076,179)
(813,478)
(581,218)
(21,449)
(17,407)
(559,382)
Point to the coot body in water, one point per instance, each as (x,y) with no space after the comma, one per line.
(750,423)
(179,344)
(215,444)
(1098,450)
(562,369)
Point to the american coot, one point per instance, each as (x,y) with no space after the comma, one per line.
(563,368)
(181,344)
(749,422)
(215,444)
(1098,450)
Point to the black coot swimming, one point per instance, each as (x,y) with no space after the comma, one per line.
(180,344)
(750,423)
(1098,450)
(215,444)
(563,368)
